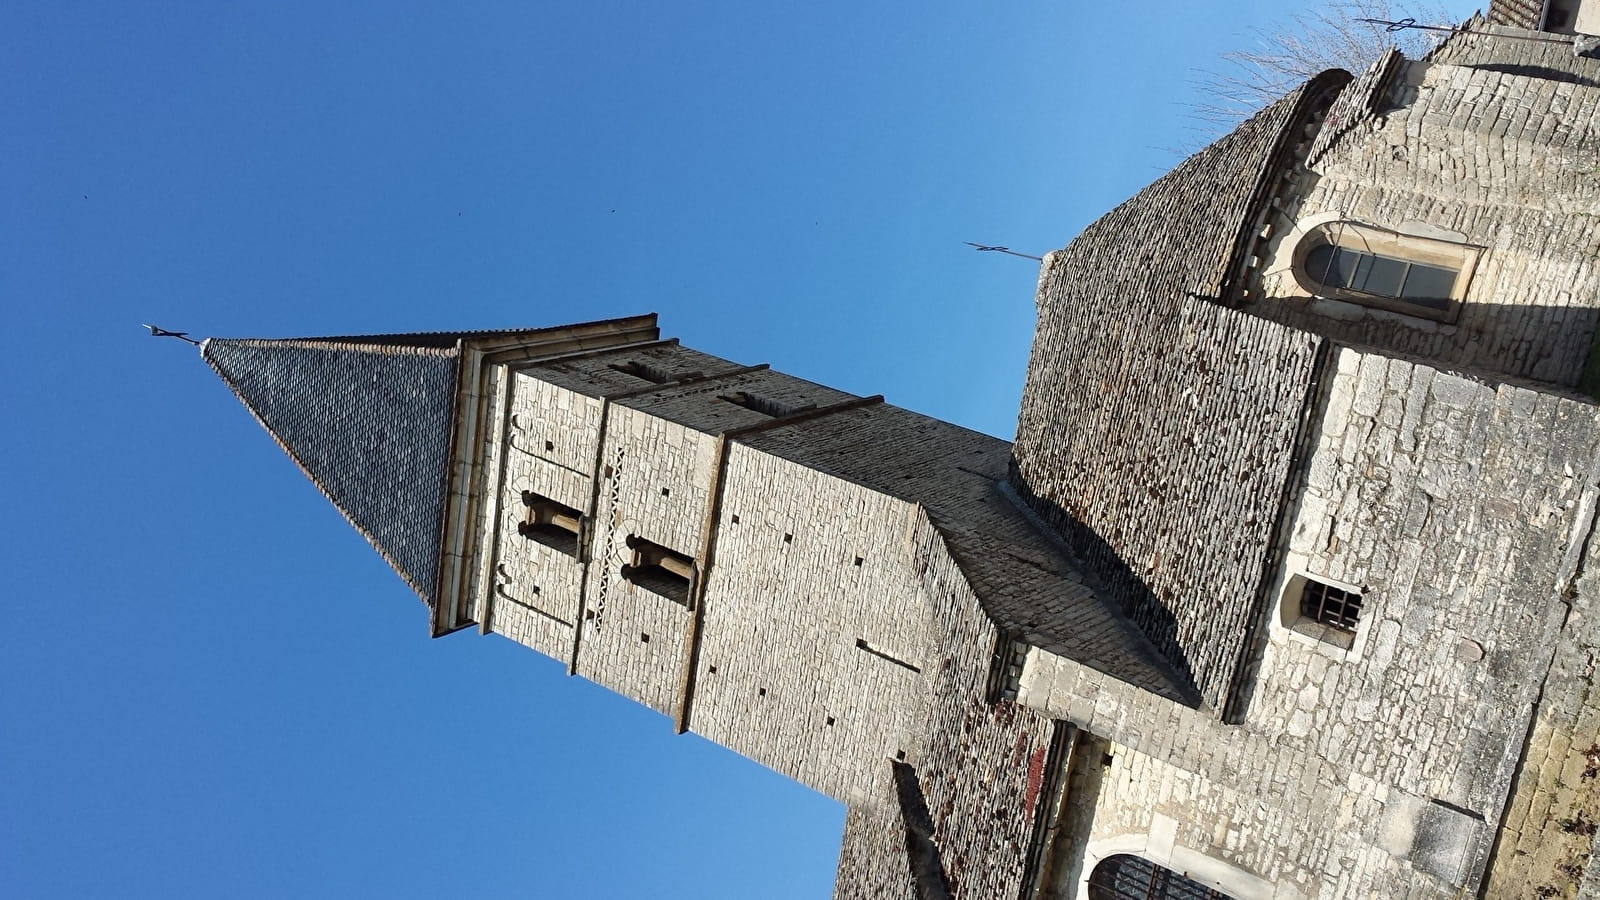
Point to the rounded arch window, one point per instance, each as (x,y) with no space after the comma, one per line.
(1374,267)
(1125,877)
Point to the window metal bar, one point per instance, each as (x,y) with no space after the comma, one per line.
(1330,606)
(1126,877)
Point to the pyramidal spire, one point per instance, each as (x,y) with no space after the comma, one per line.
(371,418)
(369,421)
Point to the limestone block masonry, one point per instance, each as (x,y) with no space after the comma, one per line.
(1288,588)
(811,639)
(1470,151)
(1460,510)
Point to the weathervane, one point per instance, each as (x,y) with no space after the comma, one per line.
(180,335)
(983,248)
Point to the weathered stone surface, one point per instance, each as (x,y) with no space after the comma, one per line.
(1157,427)
(854,574)
(1493,142)
(1542,841)
(1201,447)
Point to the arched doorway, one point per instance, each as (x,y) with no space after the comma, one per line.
(1125,877)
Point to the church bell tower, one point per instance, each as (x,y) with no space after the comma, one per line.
(755,556)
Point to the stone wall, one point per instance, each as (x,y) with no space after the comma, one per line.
(655,484)
(981,766)
(1459,510)
(546,445)
(1188,790)
(1470,151)
(1546,842)
(812,567)
(1453,506)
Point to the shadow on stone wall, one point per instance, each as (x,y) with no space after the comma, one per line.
(1519,343)
(1543,72)
(1132,601)
(927,863)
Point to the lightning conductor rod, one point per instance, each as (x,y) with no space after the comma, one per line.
(180,335)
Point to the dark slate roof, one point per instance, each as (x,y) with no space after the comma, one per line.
(369,423)
(1157,424)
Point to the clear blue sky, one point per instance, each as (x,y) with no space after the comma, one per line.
(212,687)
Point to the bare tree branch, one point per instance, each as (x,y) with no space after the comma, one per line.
(1283,58)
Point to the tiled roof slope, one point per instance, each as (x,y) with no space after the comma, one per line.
(369,424)
(1157,427)
(1518,13)
(1353,109)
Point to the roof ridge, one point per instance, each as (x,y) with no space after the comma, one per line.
(350,344)
(451,338)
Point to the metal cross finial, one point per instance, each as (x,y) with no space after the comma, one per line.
(1405,23)
(180,335)
(981,248)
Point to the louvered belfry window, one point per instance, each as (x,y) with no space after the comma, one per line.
(550,522)
(659,569)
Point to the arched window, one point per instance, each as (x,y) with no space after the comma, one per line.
(1400,272)
(1124,877)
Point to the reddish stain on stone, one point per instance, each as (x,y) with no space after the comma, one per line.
(1035,781)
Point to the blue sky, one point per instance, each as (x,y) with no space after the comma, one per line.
(212,686)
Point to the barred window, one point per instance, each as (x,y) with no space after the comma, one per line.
(1322,610)
(1327,605)
(1125,877)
